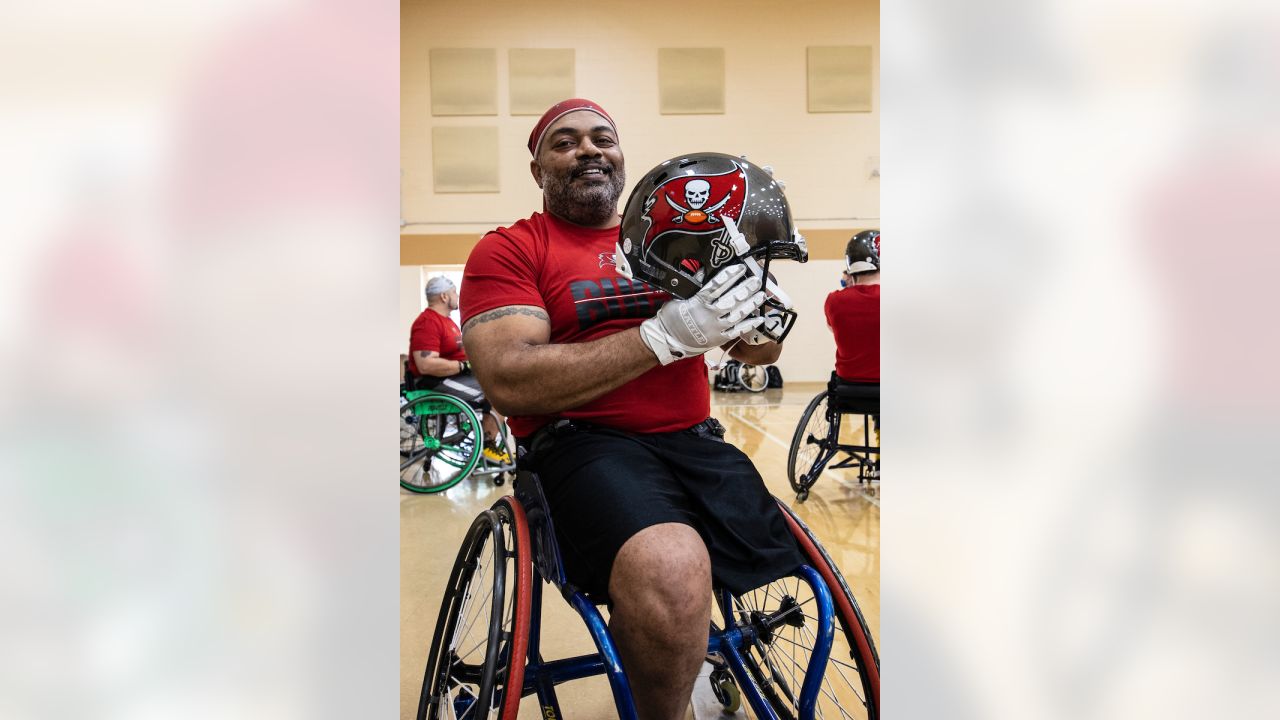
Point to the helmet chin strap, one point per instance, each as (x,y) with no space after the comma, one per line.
(743,250)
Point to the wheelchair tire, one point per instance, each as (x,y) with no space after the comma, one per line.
(808,444)
(849,619)
(754,378)
(493,565)
(439,443)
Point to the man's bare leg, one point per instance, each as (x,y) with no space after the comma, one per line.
(490,426)
(661,591)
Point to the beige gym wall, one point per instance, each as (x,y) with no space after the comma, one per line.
(825,158)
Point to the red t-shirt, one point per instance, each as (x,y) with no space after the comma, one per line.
(433,332)
(568,271)
(853,314)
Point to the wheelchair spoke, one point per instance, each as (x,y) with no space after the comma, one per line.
(777,675)
(796,683)
(469,602)
(473,648)
(835,661)
(479,611)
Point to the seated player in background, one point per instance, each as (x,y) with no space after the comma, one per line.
(853,312)
(438,362)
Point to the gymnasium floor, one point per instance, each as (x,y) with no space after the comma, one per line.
(844,516)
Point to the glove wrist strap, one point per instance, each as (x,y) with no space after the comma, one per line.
(655,338)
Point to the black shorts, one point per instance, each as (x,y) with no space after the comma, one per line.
(603,486)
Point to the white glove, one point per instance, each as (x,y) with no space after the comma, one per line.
(722,310)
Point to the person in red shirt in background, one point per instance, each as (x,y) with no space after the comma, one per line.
(853,312)
(438,362)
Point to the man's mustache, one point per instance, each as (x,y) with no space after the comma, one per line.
(603,167)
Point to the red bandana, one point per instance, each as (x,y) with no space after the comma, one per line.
(559,110)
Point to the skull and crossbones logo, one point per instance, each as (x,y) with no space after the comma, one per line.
(696,194)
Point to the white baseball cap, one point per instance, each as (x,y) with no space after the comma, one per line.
(439,284)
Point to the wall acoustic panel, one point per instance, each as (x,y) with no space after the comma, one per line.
(540,78)
(464,159)
(840,79)
(691,81)
(464,81)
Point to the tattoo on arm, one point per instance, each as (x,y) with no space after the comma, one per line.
(504,312)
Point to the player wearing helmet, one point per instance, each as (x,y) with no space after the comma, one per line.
(853,313)
(602,377)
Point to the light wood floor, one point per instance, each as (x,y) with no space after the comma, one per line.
(844,515)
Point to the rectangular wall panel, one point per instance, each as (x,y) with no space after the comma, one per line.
(464,81)
(464,159)
(540,78)
(691,81)
(840,79)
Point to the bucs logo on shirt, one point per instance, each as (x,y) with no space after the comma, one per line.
(696,205)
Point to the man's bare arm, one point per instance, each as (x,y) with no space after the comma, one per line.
(524,374)
(429,362)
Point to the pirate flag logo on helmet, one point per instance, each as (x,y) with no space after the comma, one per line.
(696,205)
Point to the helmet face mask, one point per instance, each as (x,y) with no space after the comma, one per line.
(674,235)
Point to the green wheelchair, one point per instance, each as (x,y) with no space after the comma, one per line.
(442,443)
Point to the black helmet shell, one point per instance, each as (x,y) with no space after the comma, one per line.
(862,254)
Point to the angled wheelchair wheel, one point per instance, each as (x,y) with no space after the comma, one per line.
(852,679)
(811,440)
(753,377)
(439,443)
(476,665)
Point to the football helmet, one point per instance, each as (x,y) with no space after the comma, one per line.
(694,215)
(862,254)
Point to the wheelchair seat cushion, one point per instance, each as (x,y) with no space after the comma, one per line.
(862,398)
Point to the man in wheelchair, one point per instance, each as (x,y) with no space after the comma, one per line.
(602,375)
(853,314)
(438,362)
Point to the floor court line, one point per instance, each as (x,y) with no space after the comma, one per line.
(787,446)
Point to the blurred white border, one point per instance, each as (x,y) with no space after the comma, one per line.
(1079,359)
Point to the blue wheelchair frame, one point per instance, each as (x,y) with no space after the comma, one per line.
(541,676)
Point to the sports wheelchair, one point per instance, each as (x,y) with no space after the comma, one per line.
(797,648)
(817,438)
(442,443)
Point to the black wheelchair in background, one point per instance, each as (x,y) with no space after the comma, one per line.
(816,442)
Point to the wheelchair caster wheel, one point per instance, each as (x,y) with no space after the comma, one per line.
(500,479)
(726,691)
(802,496)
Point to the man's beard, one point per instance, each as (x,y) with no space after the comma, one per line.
(588,205)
